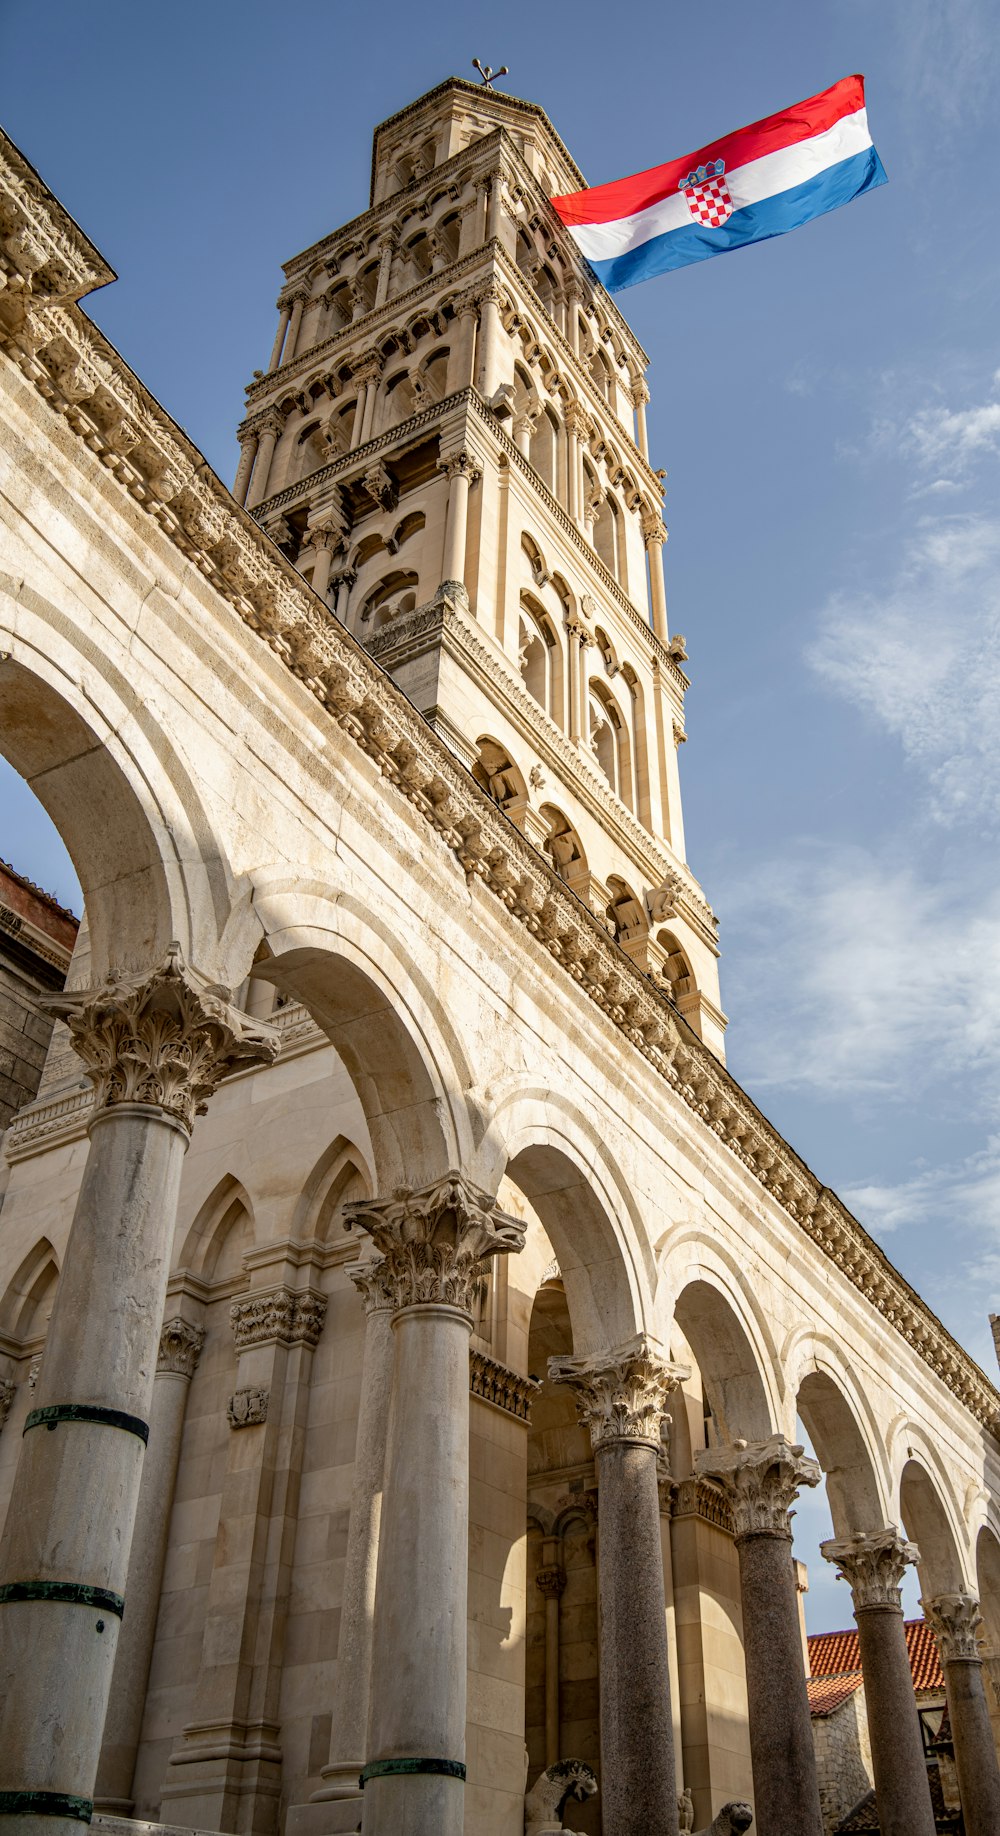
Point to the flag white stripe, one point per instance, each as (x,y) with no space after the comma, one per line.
(759,178)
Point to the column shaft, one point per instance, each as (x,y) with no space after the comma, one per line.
(640,400)
(322,567)
(369,412)
(460,473)
(975,1750)
(248,453)
(262,468)
(551,1679)
(638,1782)
(901,1786)
(490,333)
(179,1346)
(786,1789)
(349,1733)
(73,1505)
(292,337)
(279,338)
(657,590)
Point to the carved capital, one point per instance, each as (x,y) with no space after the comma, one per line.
(653,528)
(6,1398)
(380,486)
(375,1283)
(874,1564)
(955,1620)
(761,1480)
(578,420)
(247,1408)
(280,1317)
(551,1581)
(180,1347)
(435,1241)
(467,302)
(460,465)
(368,368)
(621,1395)
(640,393)
(272,421)
(165,1040)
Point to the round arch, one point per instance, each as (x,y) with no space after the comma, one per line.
(710,1296)
(843,1428)
(384,1018)
(928,1523)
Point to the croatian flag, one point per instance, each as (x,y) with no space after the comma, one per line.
(756,183)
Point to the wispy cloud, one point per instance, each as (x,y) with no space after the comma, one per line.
(956,437)
(923,659)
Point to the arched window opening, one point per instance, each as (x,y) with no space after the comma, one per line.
(535,560)
(391,598)
(533,661)
(431,385)
(563,845)
(625,912)
(606,533)
(398,399)
(676,973)
(544,446)
(496,772)
(410,526)
(607,650)
(600,374)
(603,742)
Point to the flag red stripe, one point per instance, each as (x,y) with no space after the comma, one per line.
(623,197)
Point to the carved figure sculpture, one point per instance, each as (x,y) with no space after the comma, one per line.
(685,1812)
(732,1820)
(543,1807)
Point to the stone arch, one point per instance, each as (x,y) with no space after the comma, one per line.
(554,1154)
(840,1434)
(501,778)
(541,657)
(564,847)
(930,1523)
(391,597)
(677,973)
(224,1222)
(725,1324)
(383,1016)
(340,1174)
(151,868)
(30,1292)
(611,740)
(988,1589)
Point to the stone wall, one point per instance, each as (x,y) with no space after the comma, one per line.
(843,1758)
(36,942)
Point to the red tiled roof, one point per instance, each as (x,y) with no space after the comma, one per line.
(836,1657)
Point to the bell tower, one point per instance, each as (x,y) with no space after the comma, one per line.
(450,444)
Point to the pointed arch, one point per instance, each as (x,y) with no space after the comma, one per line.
(222,1230)
(29,1294)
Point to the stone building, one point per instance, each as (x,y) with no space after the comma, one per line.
(432,1309)
(37,936)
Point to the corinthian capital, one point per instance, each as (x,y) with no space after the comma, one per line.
(761,1480)
(435,1241)
(375,1283)
(955,1620)
(874,1563)
(621,1395)
(180,1347)
(461,465)
(165,1040)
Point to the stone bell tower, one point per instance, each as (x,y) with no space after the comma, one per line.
(450,443)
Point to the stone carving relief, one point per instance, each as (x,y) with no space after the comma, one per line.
(280,1317)
(165,1039)
(568,1781)
(622,1397)
(434,1241)
(6,1398)
(874,1564)
(731,1820)
(247,1408)
(955,1621)
(180,1347)
(761,1480)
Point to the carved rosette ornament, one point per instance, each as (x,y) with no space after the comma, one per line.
(955,1621)
(164,1040)
(282,1316)
(434,1241)
(621,1395)
(874,1563)
(761,1480)
(180,1347)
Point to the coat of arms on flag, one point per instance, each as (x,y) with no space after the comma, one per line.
(707,194)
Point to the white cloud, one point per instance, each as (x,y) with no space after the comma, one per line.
(923,658)
(957,436)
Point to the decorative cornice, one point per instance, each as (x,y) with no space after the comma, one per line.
(495,1383)
(282,1316)
(621,1395)
(435,1241)
(873,1563)
(955,1621)
(761,1480)
(180,1347)
(165,1039)
(123,428)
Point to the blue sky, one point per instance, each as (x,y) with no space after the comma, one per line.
(828,408)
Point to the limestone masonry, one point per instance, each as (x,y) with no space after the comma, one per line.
(404,1315)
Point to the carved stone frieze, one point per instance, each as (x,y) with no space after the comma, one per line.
(874,1563)
(281,1316)
(761,1481)
(955,1621)
(6,1398)
(165,1039)
(248,1408)
(180,1347)
(621,1396)
(700,1497)
(436,1240)
(496,1383)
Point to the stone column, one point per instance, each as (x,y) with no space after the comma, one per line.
(874,1564)
(654,535)
(326,537)
(249,441)
(285,312)
(386,250)
(345,580)
(573,297)
(269,428)
(435,1243)
(761,1481)
(156,1047)
(298,302)
(524,427)
(348,1750)
(955,1620)
(462,472)
(461,363)
(640,396)
(578,429)
(180,1349)
(622,1396)
(490,334)
(494,206)
(551,1582)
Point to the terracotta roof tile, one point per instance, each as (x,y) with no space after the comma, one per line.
(827,1693)
(837,1654)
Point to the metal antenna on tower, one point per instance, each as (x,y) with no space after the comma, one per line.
(489,76)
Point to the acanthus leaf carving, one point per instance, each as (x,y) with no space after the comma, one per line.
(761,1480)
(621,1395)
(435,1241)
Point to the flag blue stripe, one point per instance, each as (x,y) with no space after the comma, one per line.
(756,223)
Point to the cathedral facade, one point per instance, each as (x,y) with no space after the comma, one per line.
(404,1315)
